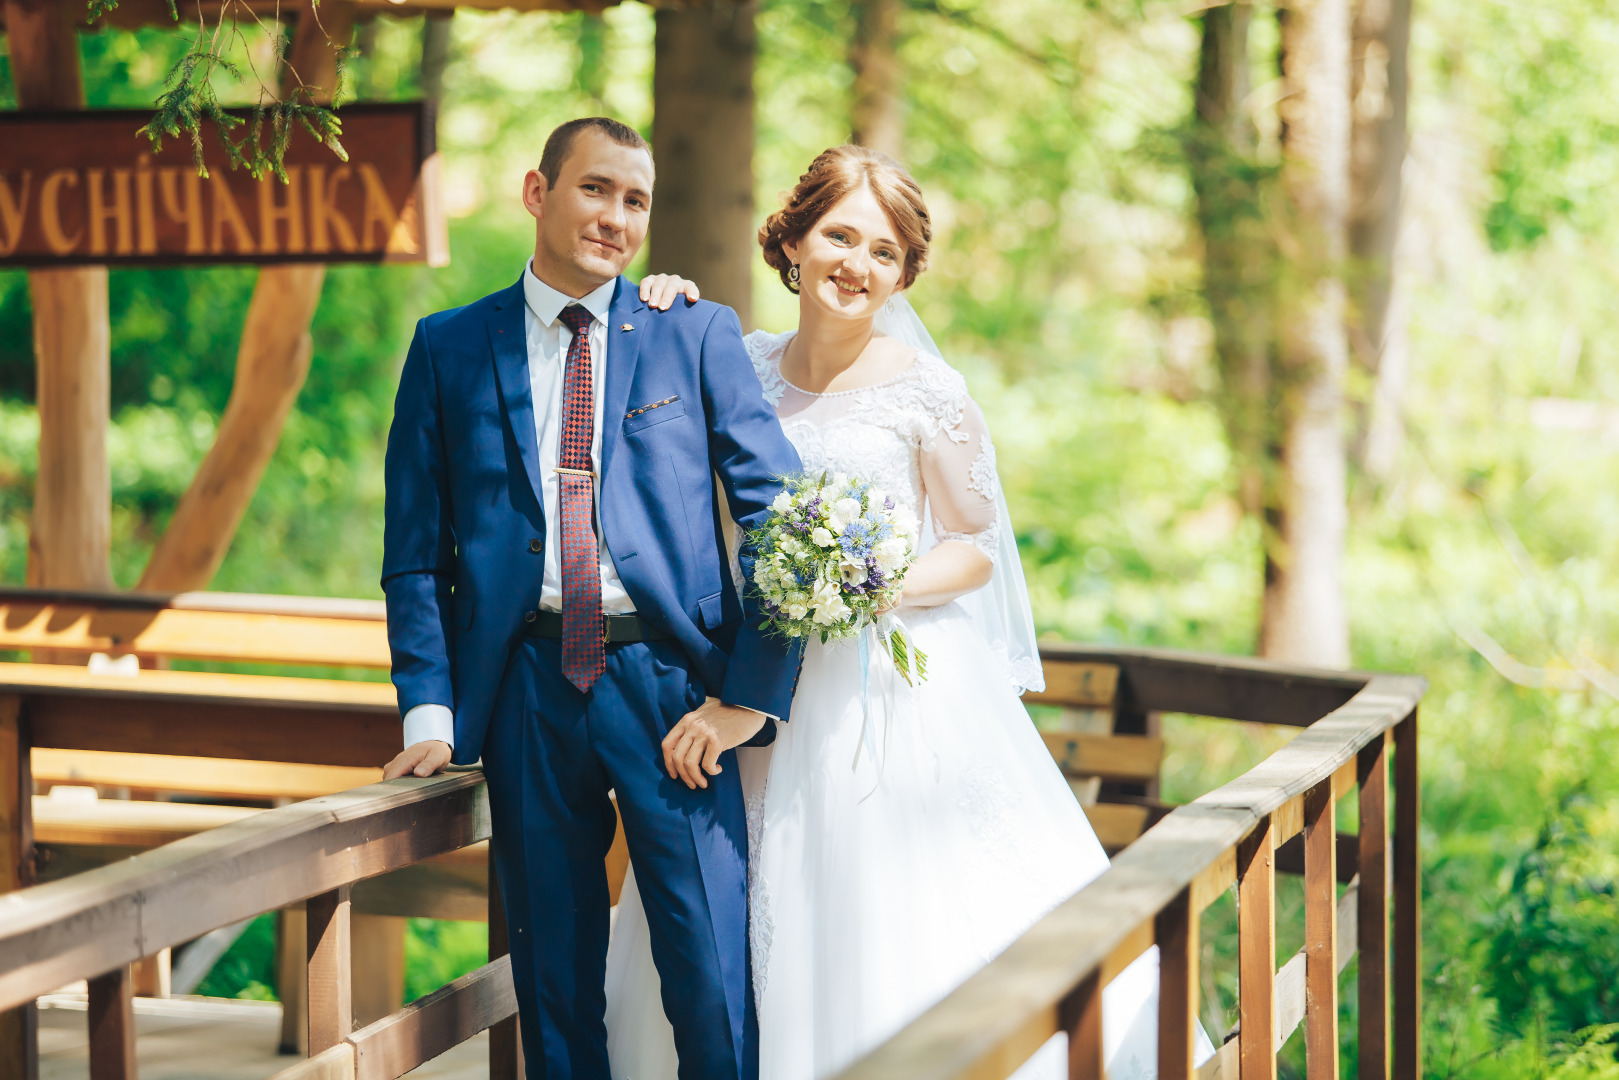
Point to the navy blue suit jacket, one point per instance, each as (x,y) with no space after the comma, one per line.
(463,547)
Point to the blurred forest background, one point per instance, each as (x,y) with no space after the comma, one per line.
(1060,146)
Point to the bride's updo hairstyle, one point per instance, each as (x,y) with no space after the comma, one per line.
(833,175)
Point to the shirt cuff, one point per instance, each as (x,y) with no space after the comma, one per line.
(426,722)
(750,708)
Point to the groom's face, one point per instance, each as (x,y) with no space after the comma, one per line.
(590,224)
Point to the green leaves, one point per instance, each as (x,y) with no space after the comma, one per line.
(189,101)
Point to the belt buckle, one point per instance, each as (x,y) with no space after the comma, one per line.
(605,634)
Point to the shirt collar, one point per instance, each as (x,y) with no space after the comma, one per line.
(546,303)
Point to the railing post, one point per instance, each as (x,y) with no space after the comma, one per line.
(1407,905)
(504,1060)
(19,1027)
(1372,930)
(1080,1015)
(112,1025)
(1177,987)
(1256,952)
(330,995)
(1320,933)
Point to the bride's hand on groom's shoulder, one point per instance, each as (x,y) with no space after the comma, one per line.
(660,290)
(692,749)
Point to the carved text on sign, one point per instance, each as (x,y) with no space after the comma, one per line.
(83,188)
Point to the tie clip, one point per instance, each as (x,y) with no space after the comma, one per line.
(574,472)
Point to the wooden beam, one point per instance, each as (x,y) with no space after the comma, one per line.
(249,637)
(1081,1017)
(379,966)
(1321,933)
(702,139)
(430,1025)
(271,363)
(1256,951)
(112,1026)
(53,934)
(1407,904)
(331,965)
(505,1054)
(222,777)
(19,1036)
(1113,757)
(1178,950)
(1373,932)
(70,528)
(1077,684)
(292,979)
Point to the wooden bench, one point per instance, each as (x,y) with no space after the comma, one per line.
(1111,753)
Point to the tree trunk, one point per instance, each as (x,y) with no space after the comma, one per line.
(877,116)
(702,140)
(1238,260)
(271,364)
(70,532)
(1304,615)
(1379,86)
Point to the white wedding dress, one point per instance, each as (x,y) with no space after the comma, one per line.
(877,884)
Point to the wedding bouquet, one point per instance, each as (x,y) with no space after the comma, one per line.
(831,557)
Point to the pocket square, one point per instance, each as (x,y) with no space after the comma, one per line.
(633,413)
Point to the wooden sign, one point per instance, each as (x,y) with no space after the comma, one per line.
(83,187)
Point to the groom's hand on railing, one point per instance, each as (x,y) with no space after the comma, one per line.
(693,747)
(418,759)
(659,290)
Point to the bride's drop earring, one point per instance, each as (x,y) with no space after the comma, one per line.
(792,274)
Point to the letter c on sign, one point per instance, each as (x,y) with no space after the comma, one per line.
(50,220)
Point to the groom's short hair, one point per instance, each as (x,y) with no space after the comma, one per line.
(560,143)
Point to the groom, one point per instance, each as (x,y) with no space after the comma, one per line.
(560,605)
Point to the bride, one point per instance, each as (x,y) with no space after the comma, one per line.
(880,879)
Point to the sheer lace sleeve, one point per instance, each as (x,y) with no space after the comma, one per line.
(958,475)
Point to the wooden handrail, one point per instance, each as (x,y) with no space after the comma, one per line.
(95,922)
(1049,979)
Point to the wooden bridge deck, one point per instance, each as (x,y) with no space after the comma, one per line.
(207,1039)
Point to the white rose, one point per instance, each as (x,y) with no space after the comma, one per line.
(822,537)
(782,503)
(891,553)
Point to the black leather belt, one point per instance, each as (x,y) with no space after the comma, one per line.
(616,629)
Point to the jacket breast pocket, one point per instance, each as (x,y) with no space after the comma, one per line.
(653,413)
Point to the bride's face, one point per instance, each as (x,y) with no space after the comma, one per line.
(850,263)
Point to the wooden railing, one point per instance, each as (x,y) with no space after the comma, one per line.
(1156,890)
(96,924)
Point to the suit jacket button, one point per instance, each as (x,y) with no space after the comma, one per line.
(530,615)
(535,546)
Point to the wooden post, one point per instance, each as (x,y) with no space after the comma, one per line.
(1080,1015)
(1256,952)
(379,967)
(1178,926)
(1320,933)
(330,994)
(112,1026)
(70,530)
(19,1043)
(1407,905)
(292,980)
(702,140)
(505,1054)
(271,364)
(1372,928)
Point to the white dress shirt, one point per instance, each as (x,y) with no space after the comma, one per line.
(548,340)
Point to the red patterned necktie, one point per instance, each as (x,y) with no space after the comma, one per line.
(584,657)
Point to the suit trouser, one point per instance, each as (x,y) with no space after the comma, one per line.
(551,756)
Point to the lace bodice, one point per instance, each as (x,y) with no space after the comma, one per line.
(918,436)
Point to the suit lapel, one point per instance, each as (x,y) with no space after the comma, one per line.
(508,340)
(623,351)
